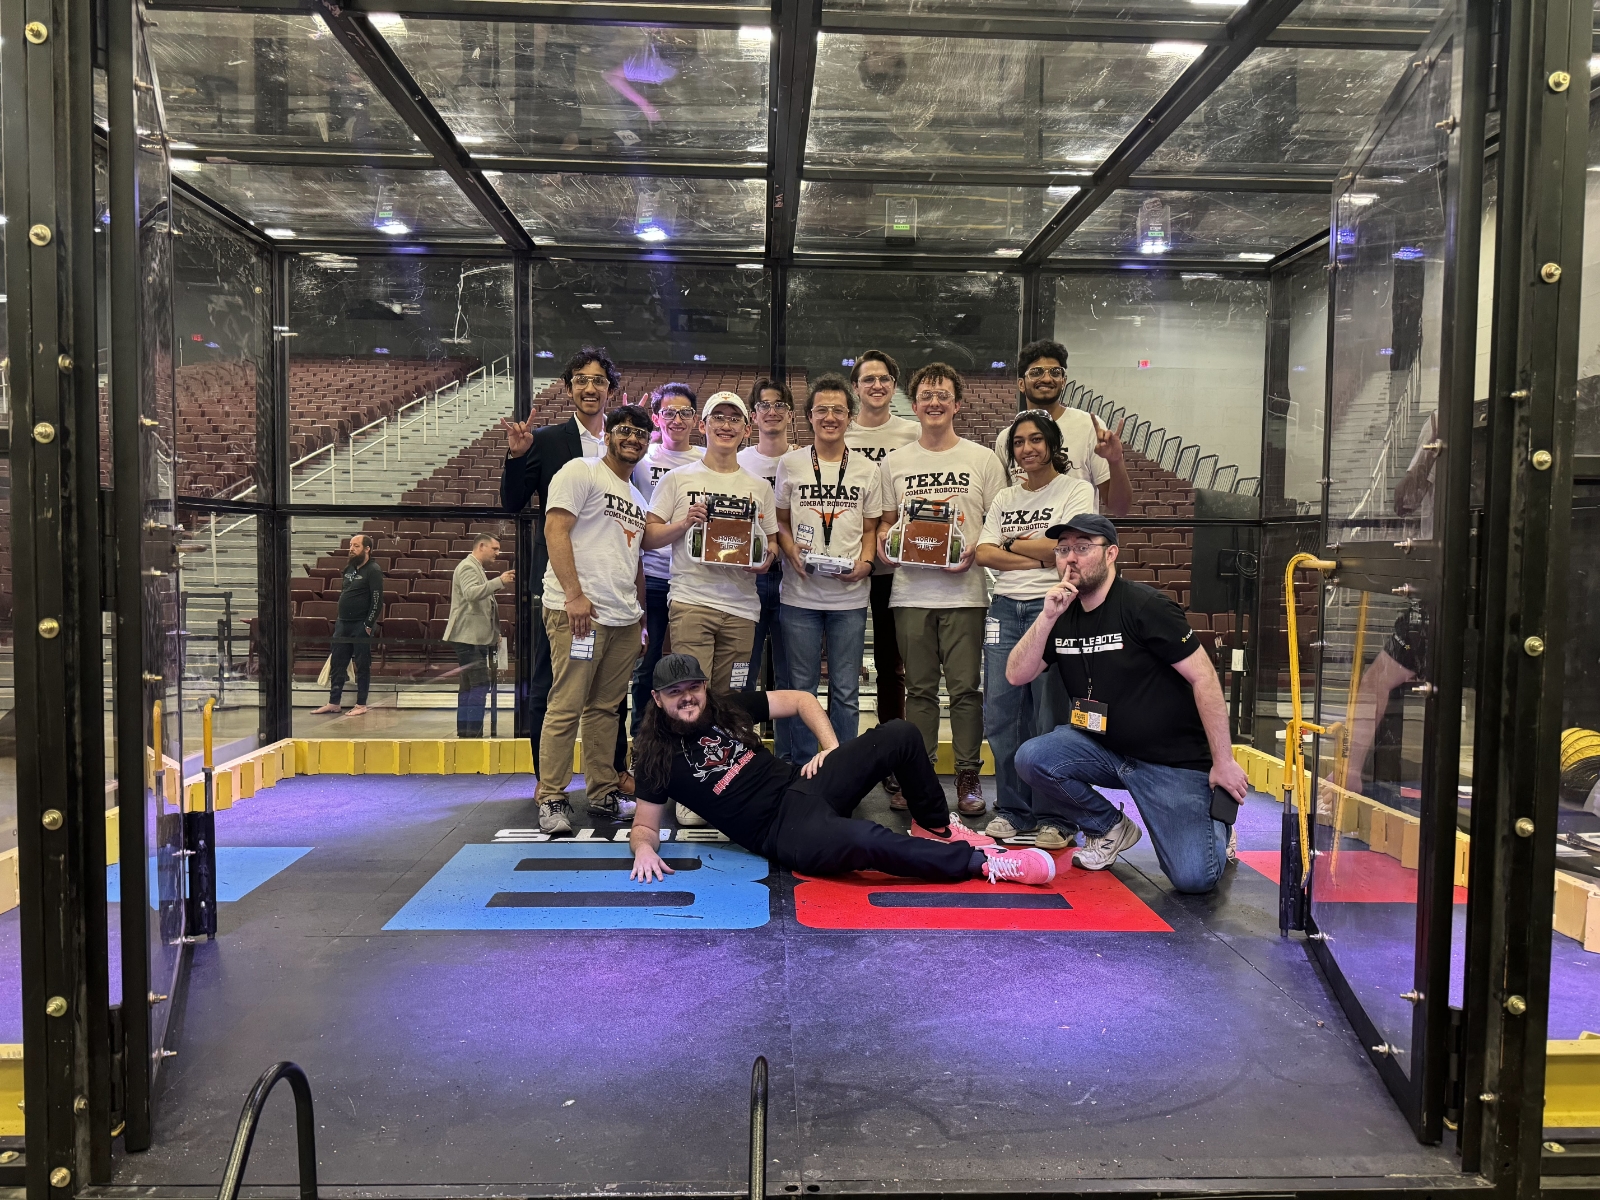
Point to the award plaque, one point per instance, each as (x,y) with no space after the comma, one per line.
(731,536)
(926,535)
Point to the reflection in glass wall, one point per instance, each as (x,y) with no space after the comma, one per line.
(1369,806)
(402,672)
(982,103)
(1587,438)
(1179,359)
(899,216)
(1575,970)
(652,94)
(640,211)
(1291,466)
(398,365)
(224,382)
(218,609)
(1388,313)
(1249,227)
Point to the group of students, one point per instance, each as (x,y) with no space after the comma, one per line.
(629,504)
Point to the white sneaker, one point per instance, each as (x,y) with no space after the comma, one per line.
(1098,853)
(555,817)
(689,819)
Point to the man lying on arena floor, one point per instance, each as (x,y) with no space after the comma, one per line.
(701,749)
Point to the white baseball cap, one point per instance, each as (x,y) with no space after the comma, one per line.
(717,398)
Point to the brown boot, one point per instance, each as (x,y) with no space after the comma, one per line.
(969,794)
(897,799)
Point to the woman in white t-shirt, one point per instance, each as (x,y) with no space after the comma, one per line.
(1024,561)
(829,500)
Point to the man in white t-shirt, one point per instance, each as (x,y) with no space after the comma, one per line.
(675,409)
(592,613)
(1094,453)
(939,611)
(829,501)
(712,610)
(875,432)
(771,410)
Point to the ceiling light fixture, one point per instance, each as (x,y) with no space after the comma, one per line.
(278,233)
(1177,49)
(394,228)
(653,233)
(1256,255)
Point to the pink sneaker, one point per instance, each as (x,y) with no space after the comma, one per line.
(958,833)
(1028,865)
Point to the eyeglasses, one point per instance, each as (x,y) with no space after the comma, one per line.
(939,397)
(726,420)
(869,380)
(677,415)
(598,382)
(829,411)
(772,406)
(632,433)
(1047,373)
(1078,549)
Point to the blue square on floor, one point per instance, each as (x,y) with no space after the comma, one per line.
(240,871)
(585,885)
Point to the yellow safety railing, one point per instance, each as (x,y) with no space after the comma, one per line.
(1297,782)
(205,731)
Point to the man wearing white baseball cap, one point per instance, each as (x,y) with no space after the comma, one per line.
(713,606)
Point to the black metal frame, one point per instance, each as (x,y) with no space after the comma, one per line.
(55,506)
(305,1131)
(1523,584)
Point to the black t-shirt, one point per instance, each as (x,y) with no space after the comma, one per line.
(361,594)
(1126,649)
(733,787)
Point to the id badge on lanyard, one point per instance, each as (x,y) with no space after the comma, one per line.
(1090,715)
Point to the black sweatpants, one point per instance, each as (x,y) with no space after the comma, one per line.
(350,641)
(816,834)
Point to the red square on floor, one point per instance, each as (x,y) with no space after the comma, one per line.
(1352,877)
(1075,900)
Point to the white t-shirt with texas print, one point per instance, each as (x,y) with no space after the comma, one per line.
(727,589)
(827,504)
(970,476)
(1079,439)
(1017,514)
(657,461)
(607,539)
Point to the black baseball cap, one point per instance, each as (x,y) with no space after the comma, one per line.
(1092,524)
(674,669)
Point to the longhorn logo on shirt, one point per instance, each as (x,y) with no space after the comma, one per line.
(719,755)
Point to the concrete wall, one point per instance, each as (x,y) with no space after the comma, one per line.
(1204,340)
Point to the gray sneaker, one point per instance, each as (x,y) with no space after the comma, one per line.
(1051,838)
(688,819)
(1098,853)
(618,806)
(1001,827)
(555,817)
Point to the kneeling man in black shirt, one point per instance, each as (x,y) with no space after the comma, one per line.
(1147,714)
(701,749)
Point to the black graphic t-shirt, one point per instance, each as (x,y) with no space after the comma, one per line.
(1125,650)
(732,786)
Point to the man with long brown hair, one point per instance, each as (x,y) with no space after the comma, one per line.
(700,749)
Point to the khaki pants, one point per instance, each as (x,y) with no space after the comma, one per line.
(947,640)
(714,638)
(585,695)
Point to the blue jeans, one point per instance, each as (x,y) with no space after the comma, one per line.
(846,632)
(767,626)
(1065,766)
(655,623)
(1012,715)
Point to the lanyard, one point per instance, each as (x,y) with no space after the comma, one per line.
(828,518)
(1086,653)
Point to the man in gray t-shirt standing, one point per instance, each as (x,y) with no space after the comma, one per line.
(473,630)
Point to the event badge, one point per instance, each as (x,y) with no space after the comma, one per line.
(1090,715)
(740,677)
(583,648)
(991,631)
